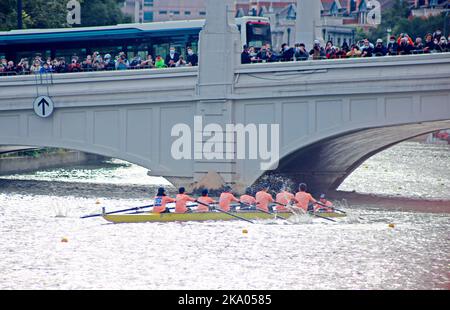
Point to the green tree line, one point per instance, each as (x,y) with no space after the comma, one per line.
(53,13)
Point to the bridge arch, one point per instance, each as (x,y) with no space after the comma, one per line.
(325,164)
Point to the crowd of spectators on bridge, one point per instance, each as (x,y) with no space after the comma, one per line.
(401,45)
(96,62)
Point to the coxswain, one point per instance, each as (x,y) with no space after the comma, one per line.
(160,201)
(181,201)
(324,206)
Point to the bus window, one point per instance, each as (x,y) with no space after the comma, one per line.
(131,52)
(141,50)
(161,46)
(161,49)
(192,42)
(258,34)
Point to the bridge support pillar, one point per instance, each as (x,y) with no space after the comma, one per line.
(308,23)
(219,53)
(219,50)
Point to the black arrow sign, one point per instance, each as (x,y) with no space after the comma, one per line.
(43,103)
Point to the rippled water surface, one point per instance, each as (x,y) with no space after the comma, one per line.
(356,253)
(410,169)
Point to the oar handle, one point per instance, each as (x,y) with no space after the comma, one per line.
(279,203)
(230,214)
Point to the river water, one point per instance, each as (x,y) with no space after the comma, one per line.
(38,210)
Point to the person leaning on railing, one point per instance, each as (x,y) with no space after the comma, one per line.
(354,52)
(245,56)
(192,58)
(74,66)
(98,64)
(441,47)
(159,62)
(392,46)
(286,53)
(148,63)
(109,63)
(23,66)
(122,62)
(379,48)
(36,66)
(317,51)
(405,47)
(300,52)
(3,64)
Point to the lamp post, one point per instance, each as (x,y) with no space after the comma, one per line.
(19,14)
(389,31)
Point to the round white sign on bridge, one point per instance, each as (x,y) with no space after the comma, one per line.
(43,106)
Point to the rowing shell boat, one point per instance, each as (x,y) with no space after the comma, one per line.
(199,217)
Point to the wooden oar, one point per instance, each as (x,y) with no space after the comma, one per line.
(312,213)
(118,211)
(322,217)
(220,210)
(264,211)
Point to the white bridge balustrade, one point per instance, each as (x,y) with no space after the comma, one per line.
(333,114)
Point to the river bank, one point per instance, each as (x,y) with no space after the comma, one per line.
(22,164)
(407,204)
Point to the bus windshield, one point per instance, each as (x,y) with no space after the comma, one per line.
(258,34)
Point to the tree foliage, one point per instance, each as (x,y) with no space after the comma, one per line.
(399,21)
(53,13)
(102,13)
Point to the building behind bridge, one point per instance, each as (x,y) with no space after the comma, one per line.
(340,18)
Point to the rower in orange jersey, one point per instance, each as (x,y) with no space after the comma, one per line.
(326,205)
(263,198)
(247,200)
(226,198)
(205,199)
(283,198)
(304,199)
(182,199)
(159,206)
